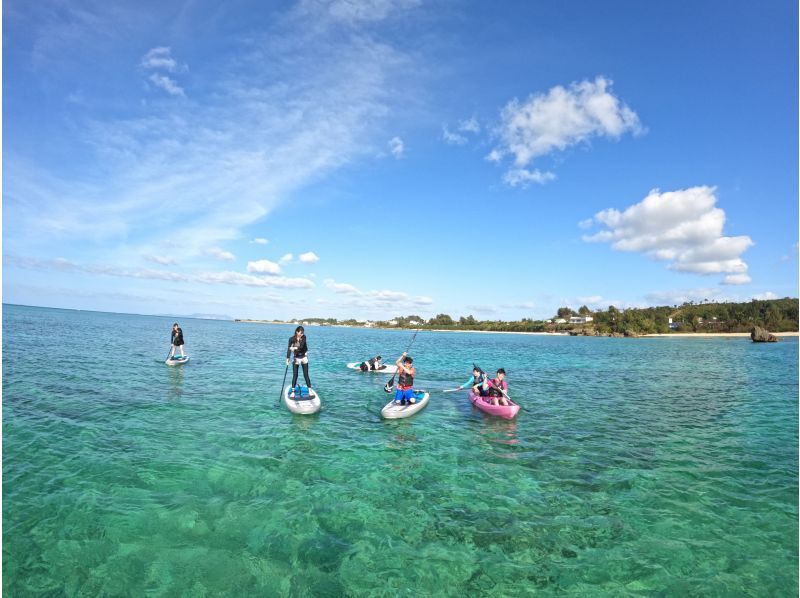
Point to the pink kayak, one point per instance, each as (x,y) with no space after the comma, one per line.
(504,411)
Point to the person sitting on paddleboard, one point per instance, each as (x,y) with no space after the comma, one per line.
(498,386)
(478,381)
(177,341)
(297,343)
(371,364)
(405,381)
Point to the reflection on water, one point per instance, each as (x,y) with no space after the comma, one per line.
(175,391)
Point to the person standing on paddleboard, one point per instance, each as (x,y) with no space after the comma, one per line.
(405,380)
(298,345)
(176,340)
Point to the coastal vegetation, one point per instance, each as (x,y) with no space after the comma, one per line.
(776,315)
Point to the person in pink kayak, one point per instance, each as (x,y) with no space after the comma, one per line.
(498,388)
(478,382)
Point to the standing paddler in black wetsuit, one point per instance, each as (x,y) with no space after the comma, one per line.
(176,340)
(298,345)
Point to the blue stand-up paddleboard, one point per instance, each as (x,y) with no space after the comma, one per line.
(303,402)
(177,360)
(395,411)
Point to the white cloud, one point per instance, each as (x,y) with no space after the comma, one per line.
(259,241)
(160,58)
(396,147)
(341,287)
(561,118)
(169,85)
(521,177)
(765,296)
(221,254)
(286,258)
(160,259)
(263,267)
(737,279)
(683,227)
(308,257)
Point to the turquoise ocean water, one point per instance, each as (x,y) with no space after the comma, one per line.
(637,467)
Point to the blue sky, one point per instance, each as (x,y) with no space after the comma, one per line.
(387,157)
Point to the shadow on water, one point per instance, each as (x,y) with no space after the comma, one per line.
(499,431)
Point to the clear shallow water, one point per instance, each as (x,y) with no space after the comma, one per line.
(638,467)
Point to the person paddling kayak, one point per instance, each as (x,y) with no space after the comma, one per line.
(498,388)
(298,345)
(478,381)
(176,340)
(405,381)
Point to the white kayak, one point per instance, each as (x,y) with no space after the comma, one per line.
(395,411)
(177,360)
(302,403)
(386,369)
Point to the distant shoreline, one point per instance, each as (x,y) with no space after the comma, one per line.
(667,335)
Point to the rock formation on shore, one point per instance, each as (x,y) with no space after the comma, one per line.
(760,335)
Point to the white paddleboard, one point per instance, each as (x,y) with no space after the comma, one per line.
(394,411)
(387,369)
(302,405)
(176,360)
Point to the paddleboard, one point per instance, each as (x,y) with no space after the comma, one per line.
(302,403)
(394,411)
(386,369)
(504,411)
(176,360)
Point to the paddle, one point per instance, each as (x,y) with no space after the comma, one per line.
(284,377)
(390,384)
(453,390)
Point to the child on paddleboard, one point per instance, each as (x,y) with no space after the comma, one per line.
(298,345)
(372,364)
(497,387)
(405,380)
(176,341)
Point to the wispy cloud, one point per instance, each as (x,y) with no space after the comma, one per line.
(682,227)
(160,259)
(286,258)
(253,139)
(382,297)
(521,177)
(259,241)
(169,85)
(220,254)
(556,120)
(207,277)
(458,136)
(160,58)
(396,147)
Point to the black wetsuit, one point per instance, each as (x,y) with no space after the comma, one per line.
(300,353)
(177,337)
